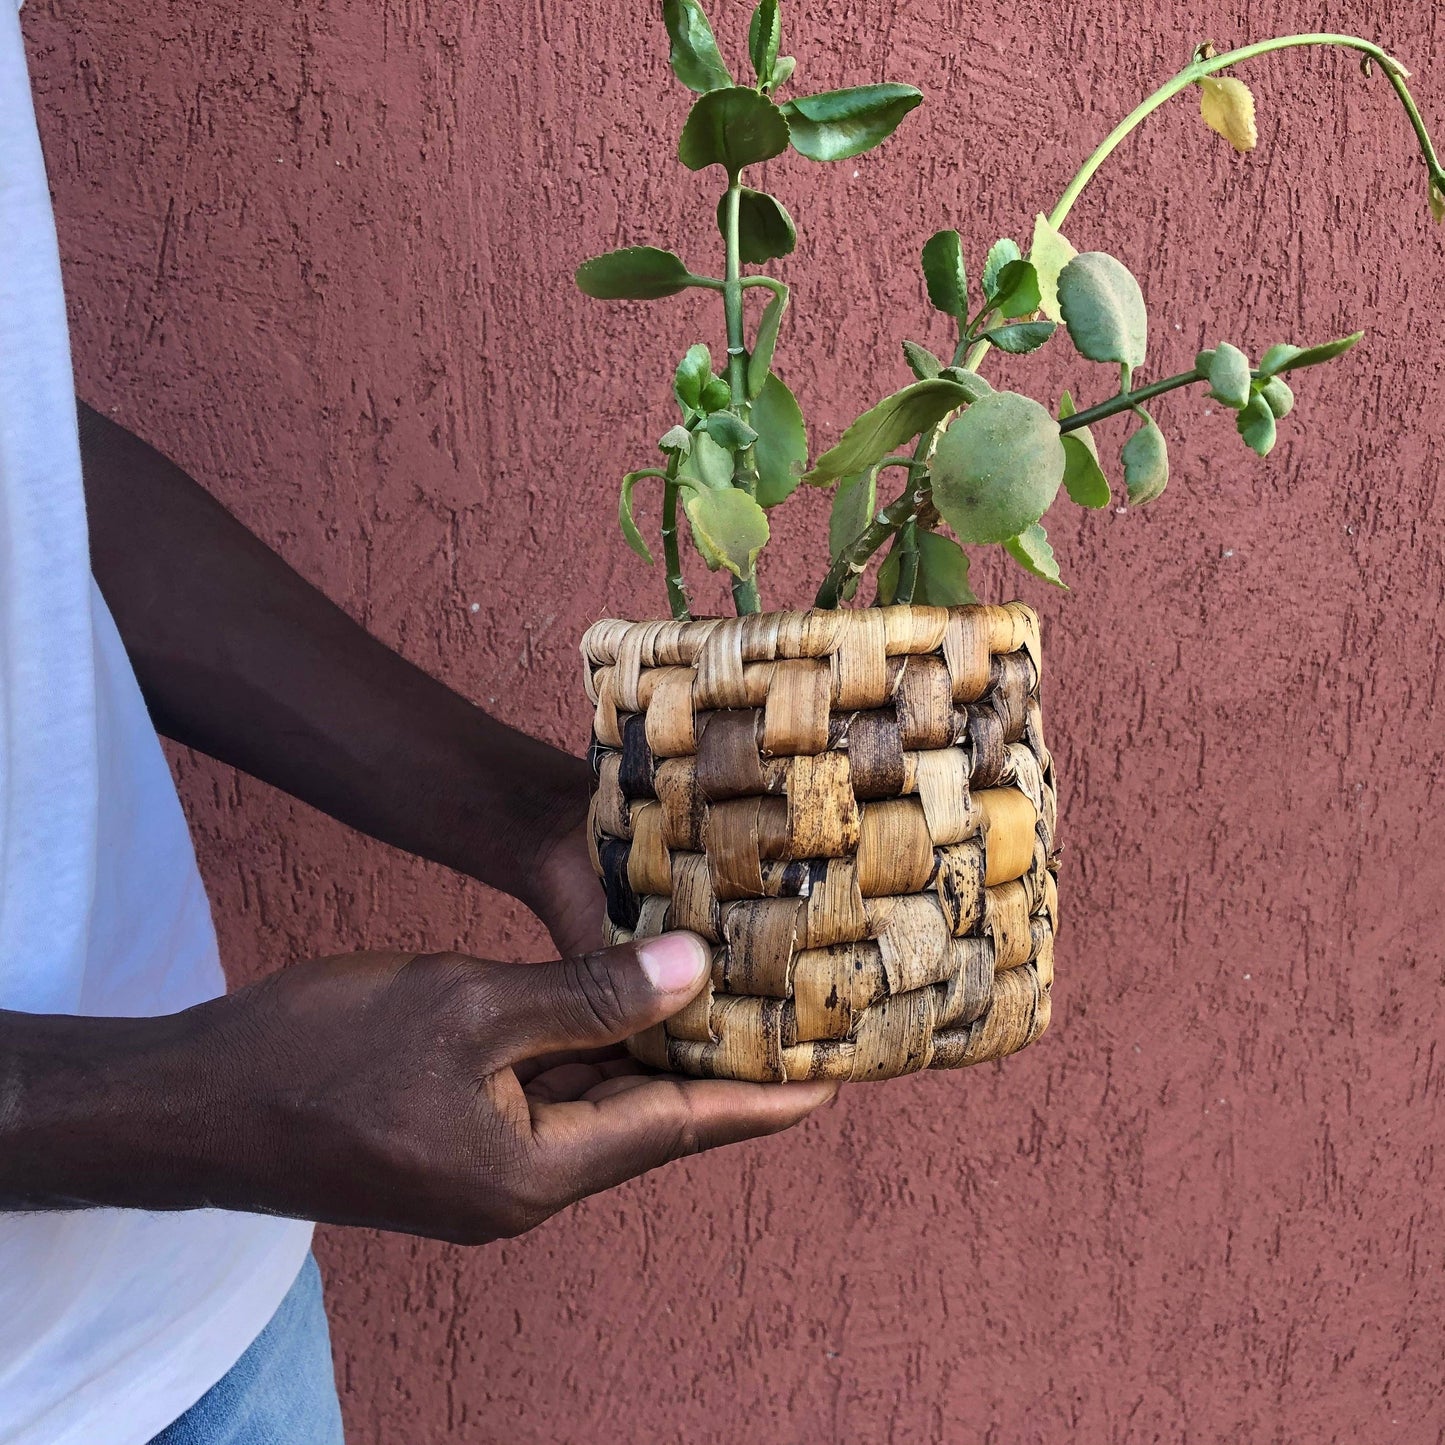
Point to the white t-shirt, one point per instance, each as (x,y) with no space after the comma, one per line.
(112,1322)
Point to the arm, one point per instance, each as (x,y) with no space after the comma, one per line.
(241,658)
(398,1091)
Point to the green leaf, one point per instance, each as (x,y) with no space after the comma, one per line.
(997,468)
(1021,337)
(732,128)
(1017,290)
(765,229)
(782,71)
(1104,310)
(1050,253)
(1031,550)
(1084,478)
(1278,396)
(1256,426)
(944,273)
(675,439)
(730,431)
(764,34)
(892,422)
(766,342)
(1291,358)
(731,524)
(636,273)
(781,451)
(716,395)
(974,386)
(693,373)
(854,503)
(1229,376)
(921,361)
(1146,461)
(842,123)
(625,519)
(708,466)
(999,255)
(942,573)
(695,59)
(888,578)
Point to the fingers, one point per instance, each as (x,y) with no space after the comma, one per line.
(628,1126)
(592,1000)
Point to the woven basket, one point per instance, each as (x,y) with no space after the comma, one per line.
(857,809)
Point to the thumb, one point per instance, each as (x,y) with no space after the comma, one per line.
(593,999)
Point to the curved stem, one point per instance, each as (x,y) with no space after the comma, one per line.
(1200,68)
(745,476)
(672,553)
(854,557)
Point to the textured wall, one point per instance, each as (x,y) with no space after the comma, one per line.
(321,254)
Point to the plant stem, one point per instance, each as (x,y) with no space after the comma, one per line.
(854,557)
(1126,400)
(907,545)
(671,552)
(745,476)
(1200,68)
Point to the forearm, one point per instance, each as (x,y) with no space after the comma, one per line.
(106,1111)
(240,657)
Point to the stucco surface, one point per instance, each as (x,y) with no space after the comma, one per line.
(321,254)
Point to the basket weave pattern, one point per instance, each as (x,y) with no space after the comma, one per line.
(856,808)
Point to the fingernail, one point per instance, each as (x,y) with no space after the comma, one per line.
(674,962)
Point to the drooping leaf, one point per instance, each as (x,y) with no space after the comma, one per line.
(1021,337)
(1280,359)
(1256,426)
(921,361)
(733,525)
(997,468)
(635,273)
(1228,109)
(840,123)
(676,439)
(1146,461)
(1084,478)
(1229,376)
(781,450)
(1050,253)
(732,128)
(764,34)
(854,503)
(709,466)
(692,374)
(1103,308)
(1016,290)
(1031,550)
(942,573)
(730,431)
(1278,396)
(944,273)
(626,520)
(999,255)
(765,342)
(695,58)
(765,229)
(895,420)
(782,71)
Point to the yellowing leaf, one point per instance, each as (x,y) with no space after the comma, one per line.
(1228,108)
(1050,253)
(1437,201)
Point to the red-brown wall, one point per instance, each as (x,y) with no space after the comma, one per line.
(322,254)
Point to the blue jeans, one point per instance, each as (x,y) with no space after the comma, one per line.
(282,1391)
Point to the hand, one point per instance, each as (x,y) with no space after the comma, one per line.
(569,897)
(399,1091)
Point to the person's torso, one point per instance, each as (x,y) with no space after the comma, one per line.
(112,1322)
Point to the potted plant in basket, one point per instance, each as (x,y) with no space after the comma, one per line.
(855,803)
